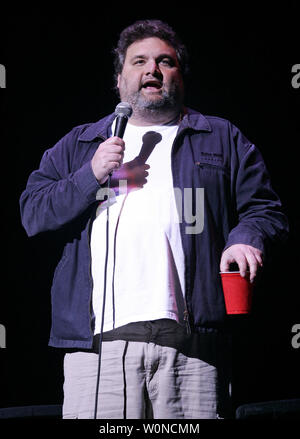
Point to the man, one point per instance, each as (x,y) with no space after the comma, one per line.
(191,196)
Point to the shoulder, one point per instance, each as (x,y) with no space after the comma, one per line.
(199,121)
(89,132)
(219,126)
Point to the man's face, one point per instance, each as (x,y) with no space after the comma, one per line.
(151,77)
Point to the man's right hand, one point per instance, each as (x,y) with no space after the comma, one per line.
(109,156)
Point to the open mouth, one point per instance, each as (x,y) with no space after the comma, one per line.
(152,85)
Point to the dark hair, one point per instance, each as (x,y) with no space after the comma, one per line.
(146,29)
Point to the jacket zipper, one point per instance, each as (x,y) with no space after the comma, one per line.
(90,276)
(186,315)
(187,321)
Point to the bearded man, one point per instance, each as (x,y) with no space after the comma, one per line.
(197,198)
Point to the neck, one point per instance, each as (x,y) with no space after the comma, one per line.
(155,118)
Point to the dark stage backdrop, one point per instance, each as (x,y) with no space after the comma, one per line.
(59,75)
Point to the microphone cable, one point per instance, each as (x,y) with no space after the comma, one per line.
(104,298)
(104,288)
(122,111)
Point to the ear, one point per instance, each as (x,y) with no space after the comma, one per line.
(118,81)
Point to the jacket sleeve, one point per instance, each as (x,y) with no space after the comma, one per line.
(55,194)
(261,220)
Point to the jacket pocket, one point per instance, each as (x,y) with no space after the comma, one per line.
(212,167)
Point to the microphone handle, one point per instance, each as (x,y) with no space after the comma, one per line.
(121,122)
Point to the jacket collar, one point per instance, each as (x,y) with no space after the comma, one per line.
(102,128)
(191,119)
(195,120)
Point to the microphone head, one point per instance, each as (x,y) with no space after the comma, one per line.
(123,109)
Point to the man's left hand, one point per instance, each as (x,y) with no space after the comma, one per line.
(246,256)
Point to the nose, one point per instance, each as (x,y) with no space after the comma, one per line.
(153,69)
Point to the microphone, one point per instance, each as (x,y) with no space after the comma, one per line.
(123,111)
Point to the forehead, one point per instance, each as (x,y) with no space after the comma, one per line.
(150,47)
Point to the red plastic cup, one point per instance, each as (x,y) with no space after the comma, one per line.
(237,292)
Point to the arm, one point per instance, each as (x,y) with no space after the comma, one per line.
(60,190)
(261,222)
(55,195)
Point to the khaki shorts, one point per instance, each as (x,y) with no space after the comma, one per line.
(141,380)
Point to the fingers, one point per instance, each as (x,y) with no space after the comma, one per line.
(113,152)
(113,141)
(226,260)
(247,258)
(252,263)
(108,157)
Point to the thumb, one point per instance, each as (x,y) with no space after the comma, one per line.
(225,262)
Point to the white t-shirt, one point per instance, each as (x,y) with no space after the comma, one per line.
(145,270)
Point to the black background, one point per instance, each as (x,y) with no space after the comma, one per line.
(59,75)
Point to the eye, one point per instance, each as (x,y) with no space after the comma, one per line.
(167,62)
(139,62)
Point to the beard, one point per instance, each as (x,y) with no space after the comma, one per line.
(169,101)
